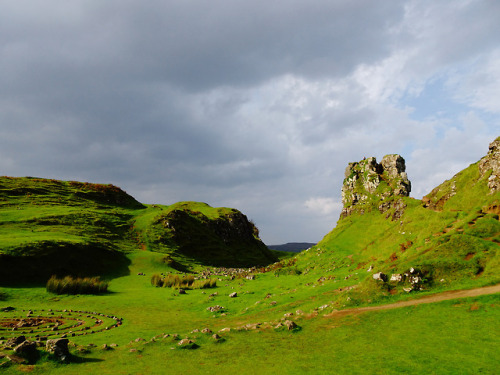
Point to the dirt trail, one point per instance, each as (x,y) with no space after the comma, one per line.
(429,299)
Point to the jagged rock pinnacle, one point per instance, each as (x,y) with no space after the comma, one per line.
(369,184)
(492,162)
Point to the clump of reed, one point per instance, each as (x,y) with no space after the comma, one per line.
(71,285)
(184,281)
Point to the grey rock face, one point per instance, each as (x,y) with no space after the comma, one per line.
(491,162)
(368,183)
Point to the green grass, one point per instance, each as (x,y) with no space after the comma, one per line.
(426,338)
(98,230)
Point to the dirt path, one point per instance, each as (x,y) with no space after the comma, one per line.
(429,299)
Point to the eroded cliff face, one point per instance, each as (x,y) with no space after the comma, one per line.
(226,238)
(369,185)
(491,162)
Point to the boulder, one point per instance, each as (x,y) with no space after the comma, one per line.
(233,295)
(58,347)
(380,276)
(15,341)
(396,277)
(290,325)
(27,349)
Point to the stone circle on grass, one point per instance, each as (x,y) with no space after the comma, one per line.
(50,324)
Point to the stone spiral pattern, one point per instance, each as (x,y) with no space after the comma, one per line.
(51,324)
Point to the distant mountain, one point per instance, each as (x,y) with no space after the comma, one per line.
(293,247)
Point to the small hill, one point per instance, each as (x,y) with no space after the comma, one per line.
(72,228)
(450,238)
(208,236)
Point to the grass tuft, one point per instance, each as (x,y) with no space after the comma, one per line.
(185,281)
(70,285)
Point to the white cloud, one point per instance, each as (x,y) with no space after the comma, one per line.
(323,205)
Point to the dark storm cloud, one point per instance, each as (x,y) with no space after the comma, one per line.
(252,104)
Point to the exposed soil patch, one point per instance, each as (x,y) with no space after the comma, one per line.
(428,299)
(469,256)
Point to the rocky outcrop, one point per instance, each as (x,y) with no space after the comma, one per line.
(459,186)
(368,184)
(216,238)
(491,162)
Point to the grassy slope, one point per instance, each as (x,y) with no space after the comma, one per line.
(390,342)
(456,246)
(58,227)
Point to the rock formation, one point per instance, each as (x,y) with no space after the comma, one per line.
(218,238)
(491,162)
(368,184)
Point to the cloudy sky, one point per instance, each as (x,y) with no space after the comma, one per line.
(257,105)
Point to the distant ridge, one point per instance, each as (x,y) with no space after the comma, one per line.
(293,247)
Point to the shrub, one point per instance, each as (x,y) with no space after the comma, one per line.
(185,281)
(70,285)
(205,284)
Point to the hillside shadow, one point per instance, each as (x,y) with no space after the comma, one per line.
(75,260)
(79,360)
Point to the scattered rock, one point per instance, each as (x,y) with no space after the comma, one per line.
(233,295)
(187,344)
(290,325)
(58,347)
(380,276)
(206,330)
(215,308)
(15,341)
(396,277)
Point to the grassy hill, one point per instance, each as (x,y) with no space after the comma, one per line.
(299,315)
(450,238)
(81,229)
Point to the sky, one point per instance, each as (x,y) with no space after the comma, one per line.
(256,105)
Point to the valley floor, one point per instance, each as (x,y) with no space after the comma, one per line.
(447,333)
